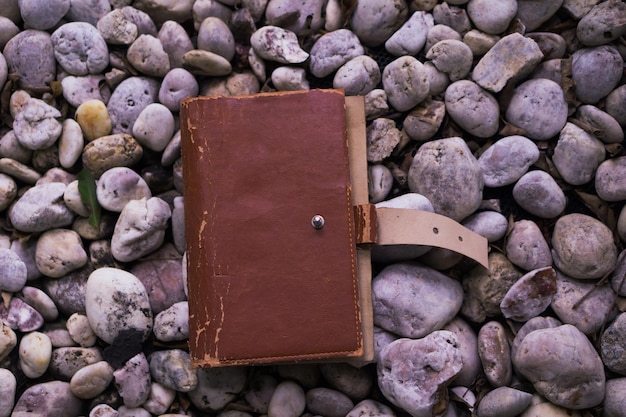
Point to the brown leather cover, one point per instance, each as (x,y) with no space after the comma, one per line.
(264,285)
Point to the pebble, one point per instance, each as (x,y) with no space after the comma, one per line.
(68,292)
(72,199)
(277,44)
(288,400)
(379,182)
(374,21)
(92,380)
(116,28)
(116,302)
(58,252)
(446,172)
(485,289)
(479,42)
(603,125)
(526,246)
(160,399)
(289,79)
(42,15)
(10,148)
(41,208)
(118,150)
(93,118)
(596,72)
(77,90)
(89,12)
(260,391)
(307,375)
(118,186)
(396,77)
(618,276)
(172,323)
(25,248)
(503,402)
(539,194)
(495,354)
(13,273)
(8,29)
(410,38)
(140,228)
(538,106)
(358,76)
(132,380)
(70,143)
(35,353)
(454,17)
(129,98)
(162,10)
(40,301)
(177,85)
(512,57)
(530,295)
(354,382)
(217,387)
(370,408)
(172,369)
(66,361)
(8,340)
(423,122)
(8,388)
(472,108)
(468,346)
(602,24)
(31,55)
(583,247)
(215,36)
(492,17)
(175,42)
(328,402)
(614,401)
(80,331)
(533,14)
(52,399)
(586,305)
(147,55)
(36,126)
(178,224)
(332,50)
(504,162)
(201,62)
(577,155)
(452,57)
(412,373)
(609,179)
(80,49)
(489,224)
(563,366)
(398,311)
(382,137)
(552,45)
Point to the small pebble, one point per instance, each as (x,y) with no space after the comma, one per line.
(530,295)
(539,194)
(374,21)
(505,161)
(423,122)
(132,380)
(177,85)
(53,399)
(35,354)
(129,98)
(36,125)
(58,252)
(577,155)
(614,400)
(147,55)
(468,346)
(160,399)
(118,150)
(13,273)
(379,182)
(596,72)
(603,24)
(526,246)
(472,108)
(370,408)
(66,361)
(31,55)
(328,402)
(489,224)
(288,400)
(80,49)
(603,125)
(332,50)
(172,369)
(358,76)
(8,340)
(215,36)
(492,16)
(277,44)
(175,42)
(77,90)
(396,76)
(382,137)
(80,331)
(609,180)
(552,45)
(92,380)
(495,354)
(410,38)
(217,387)
(479,42)
(8,388)
(354,382)
(289,79)
(172,324)
(11,149)
(93,118)
(41,302)
(201,62)
(41,208)
(70,143)
(503,402)
(534,14)
(118,186)
(452,16)
(452,57)
(260,391)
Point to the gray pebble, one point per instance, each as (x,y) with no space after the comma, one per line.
(563,366)
(175,42)
(530,295)
(379,182)
(397,311)
(77,90)
(505,161)
(489,224)
(585,305)
(172,324)
(205,8)
(43,15)
(143,21)
(88,11)
(485,289)
(232,85)
(296,16)
(40,301)
(259,392)
(71,143)
(36,125)
(11,148)
(609,180)
(8,388)
(289,79)
(119,150)
(552,45)
(452,57)
(8,341)
(59,251)
(374,21)
(495,354)
(539,194)
(41,208)
(423,122)
(31,55)
(596,72)
(117,301)
(218,387)
(603,125)
(80,49)
(52,399)
(615,104)
(354,382)
(614,400)
(201,62)
(288,400)
(474,109)
(128,100)
(80,331)
(396,76)
(25,248)
(147,55)
(446,172)
(603,24)
(526,246)
(172,369)
(511,58)
(358,76)
(154,127)
(66,361)
(177,85)
(178,224)
(132,381)
(117,186)
(583,247)
(410,38)
(381,339)
(375,104)
(277,44)
(577,155)
(382,137)
(117,29)
(215,36)
(503,402)
(18,315)
(162,10)
(534,14)
(19,171)
(370,408)
(618,276)
(440,32)
(492,16)
(453,17)
(91,380)
(160,399)
(468,346)
(438,80)
(538,106)
(307,375)
(69,292)
(328,402)
(479,42)
(412,373)
(13,272)
(172,151)
(8,29)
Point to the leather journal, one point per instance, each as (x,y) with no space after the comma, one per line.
(279,229)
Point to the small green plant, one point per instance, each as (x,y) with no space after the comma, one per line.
(87,191)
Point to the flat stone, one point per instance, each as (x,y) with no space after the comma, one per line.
(495,354)
(54,399)
(201,62)
(530,295)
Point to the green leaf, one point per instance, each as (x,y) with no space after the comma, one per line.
(87,191)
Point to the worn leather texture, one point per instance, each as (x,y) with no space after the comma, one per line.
(264,285)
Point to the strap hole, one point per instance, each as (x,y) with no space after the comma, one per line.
(435,230)
(460,238)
